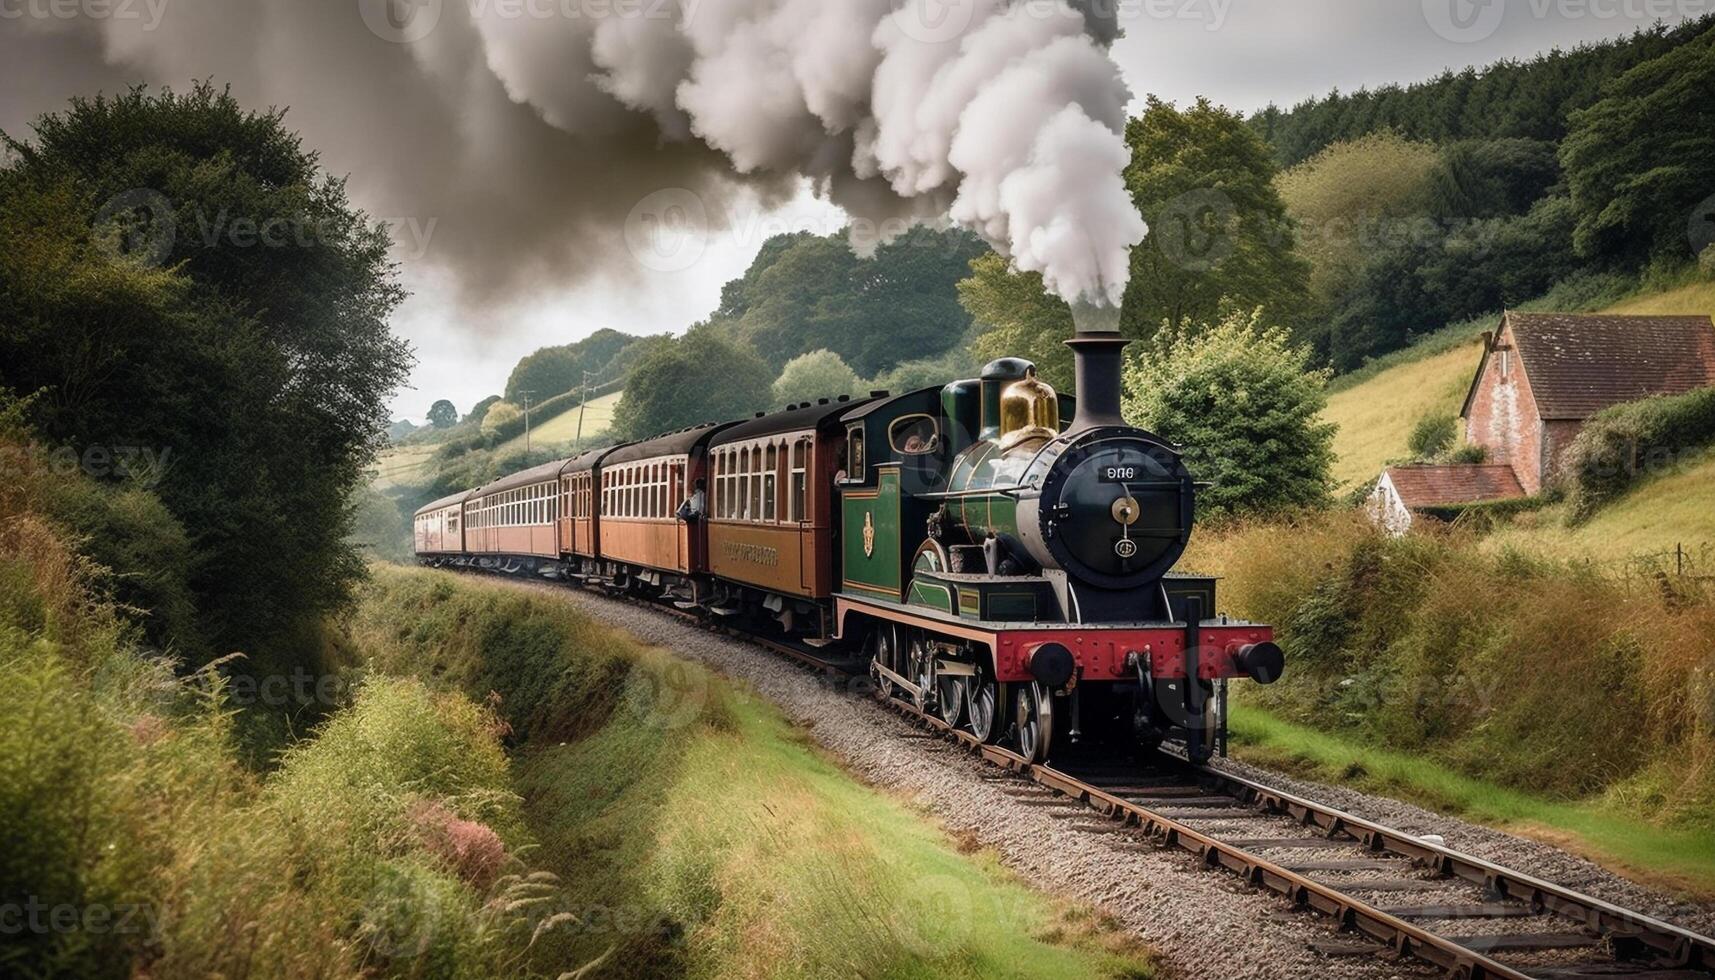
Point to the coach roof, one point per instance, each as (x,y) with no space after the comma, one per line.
(797,420)
(680,443)
(545,473)
(444,502)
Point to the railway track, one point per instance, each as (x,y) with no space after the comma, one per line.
(1389,893)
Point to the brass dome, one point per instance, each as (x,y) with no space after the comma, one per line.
(1029,409)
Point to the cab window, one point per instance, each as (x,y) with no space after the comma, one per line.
(854,453)
(913,435)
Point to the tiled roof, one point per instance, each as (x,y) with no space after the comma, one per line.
(1580,364)
(1444,486)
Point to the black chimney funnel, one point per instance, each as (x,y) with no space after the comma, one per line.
(1097,350)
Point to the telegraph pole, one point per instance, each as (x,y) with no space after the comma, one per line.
(583,403)
(526,396)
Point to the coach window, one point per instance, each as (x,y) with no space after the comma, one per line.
(726,484)
(743,485)
(769,475)
(800,478)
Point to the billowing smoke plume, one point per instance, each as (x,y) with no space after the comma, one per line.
(528,129)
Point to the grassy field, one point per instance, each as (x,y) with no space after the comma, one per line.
(1605,832)
(562,429)
(402,466)
(1676,509)
(696,831)
(1695,298)
(1376,417)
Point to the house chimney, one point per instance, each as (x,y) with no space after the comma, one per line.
(1097,349)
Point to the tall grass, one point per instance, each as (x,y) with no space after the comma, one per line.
(696,831)
(1543,676)
(138,843)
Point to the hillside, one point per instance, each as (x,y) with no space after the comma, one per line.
(562,429)
(1376,416)
(1677,509)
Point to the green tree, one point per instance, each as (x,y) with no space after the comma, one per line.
(806,293)
(1246,405)
(930,372)
(1433,435)
(1218,231)
(1345,199)
(443,414)
(1639,161)
(180,274)
(554,371)
(498,416)
(705,377)
(479,411)
(620,367)
(1017,317)
(1219,237)
(818,374)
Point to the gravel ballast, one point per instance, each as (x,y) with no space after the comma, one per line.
(1202,923)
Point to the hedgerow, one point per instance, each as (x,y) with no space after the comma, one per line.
(1627,443)
(1538,674)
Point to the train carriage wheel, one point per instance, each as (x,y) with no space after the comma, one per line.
(983,698)
(1035,721)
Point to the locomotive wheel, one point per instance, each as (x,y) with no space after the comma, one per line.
(950,698)
(881,654)
(922,667)
(983,698)
(1035,719)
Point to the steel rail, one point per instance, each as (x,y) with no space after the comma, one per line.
(1680,947)
(1349,913)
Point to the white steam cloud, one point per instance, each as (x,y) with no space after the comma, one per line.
(530,128)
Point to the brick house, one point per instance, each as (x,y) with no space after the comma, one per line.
(1544,374)
(1406,491)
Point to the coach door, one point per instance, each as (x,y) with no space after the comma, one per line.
(798,512)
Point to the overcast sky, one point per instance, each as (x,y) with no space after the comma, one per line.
(1240,53)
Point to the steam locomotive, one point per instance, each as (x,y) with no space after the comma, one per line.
(997,553)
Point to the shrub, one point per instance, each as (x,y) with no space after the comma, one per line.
(1626,443)
(501,414)
(1433,435)
(1503,666)
(1247,406)
(818,374)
